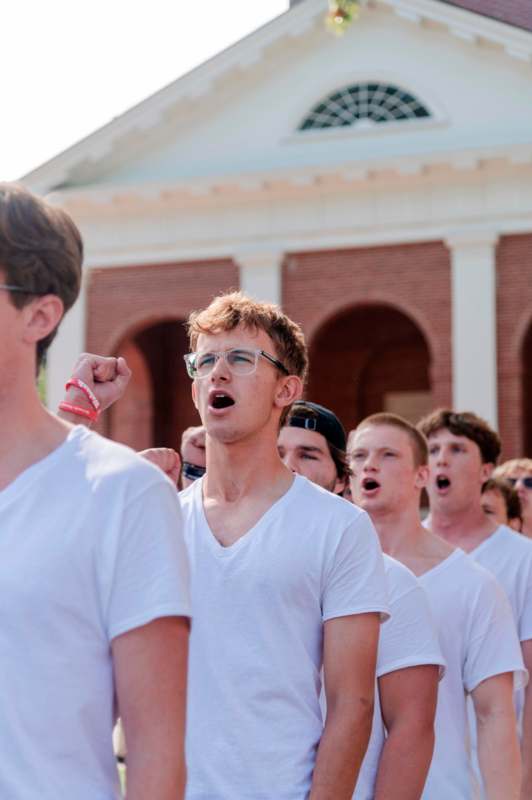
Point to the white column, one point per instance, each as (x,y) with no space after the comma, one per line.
(66,347)
(260,274)
(474,323)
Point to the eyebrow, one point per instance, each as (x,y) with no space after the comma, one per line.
(310,448)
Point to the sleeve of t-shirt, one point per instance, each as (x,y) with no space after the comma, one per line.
(149,577)
(354,581)
(493,644)
(408,638)
(525,618)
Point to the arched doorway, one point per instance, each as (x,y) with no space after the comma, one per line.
(527,394)
(368,359)
(157,406)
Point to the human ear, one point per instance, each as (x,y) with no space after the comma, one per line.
(288,391)
(486,471)
(422,476)
(42,316)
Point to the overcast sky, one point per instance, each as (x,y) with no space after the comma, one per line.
(68,67)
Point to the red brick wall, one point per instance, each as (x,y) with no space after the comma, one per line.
(125,304)
(412,279)
(514,317)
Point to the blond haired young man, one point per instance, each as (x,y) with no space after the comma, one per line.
(285,578)
(473,617)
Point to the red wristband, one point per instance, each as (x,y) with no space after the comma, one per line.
(87,391)
(88,413)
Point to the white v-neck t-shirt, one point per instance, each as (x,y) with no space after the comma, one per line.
(478,640)
(91,547)
(254,720)
(408,639)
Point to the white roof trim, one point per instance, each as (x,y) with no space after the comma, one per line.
(296,22)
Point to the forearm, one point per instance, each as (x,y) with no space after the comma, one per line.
(341,751)
(404,763)
(155,773)
(499,757)
(526,746)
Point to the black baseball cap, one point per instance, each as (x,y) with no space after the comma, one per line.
(314,417)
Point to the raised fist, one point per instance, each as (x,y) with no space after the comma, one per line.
(106,376)
(166,459)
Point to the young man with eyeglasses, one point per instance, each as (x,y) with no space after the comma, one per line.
(518,473)
(472,614)
(312,442)
(286,578)
(93,568)
(463,450)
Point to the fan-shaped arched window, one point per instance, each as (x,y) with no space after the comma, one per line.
(372,103)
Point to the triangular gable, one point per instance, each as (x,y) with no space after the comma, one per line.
(89,160)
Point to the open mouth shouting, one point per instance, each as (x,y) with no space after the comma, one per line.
(443,484)
(219,400)
(370,486)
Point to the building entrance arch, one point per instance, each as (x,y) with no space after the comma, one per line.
(157,405)
(526,360)
(368,359)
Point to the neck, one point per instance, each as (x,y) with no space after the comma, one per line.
(248,467)
(399,530)
(28,432)
(463,527)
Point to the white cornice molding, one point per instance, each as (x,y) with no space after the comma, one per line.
(250,51)
(285,182)
(378,237)
(471,238)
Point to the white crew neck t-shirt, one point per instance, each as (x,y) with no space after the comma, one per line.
(254,719)
(478,640)
(90,547)
(408,639)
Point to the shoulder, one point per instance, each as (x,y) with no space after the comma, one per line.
(318,503)
(103,462)
(508,539)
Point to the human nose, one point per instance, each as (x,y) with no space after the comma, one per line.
(220,369)
(442,457)
(290,461)
(369,463)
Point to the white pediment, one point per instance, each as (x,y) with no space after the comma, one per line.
(236,118)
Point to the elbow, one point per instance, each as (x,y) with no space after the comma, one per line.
(355,713)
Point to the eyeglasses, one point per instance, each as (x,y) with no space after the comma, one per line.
(9,288)
(527,481)
(240,361)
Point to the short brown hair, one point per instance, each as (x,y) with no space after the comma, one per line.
(40,250)
(508,493)
(228,311)
(464,423)
(417,440)
(508,468)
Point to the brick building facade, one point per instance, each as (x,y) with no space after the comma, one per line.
(398,235)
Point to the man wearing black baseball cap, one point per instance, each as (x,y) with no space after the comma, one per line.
(313,443)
